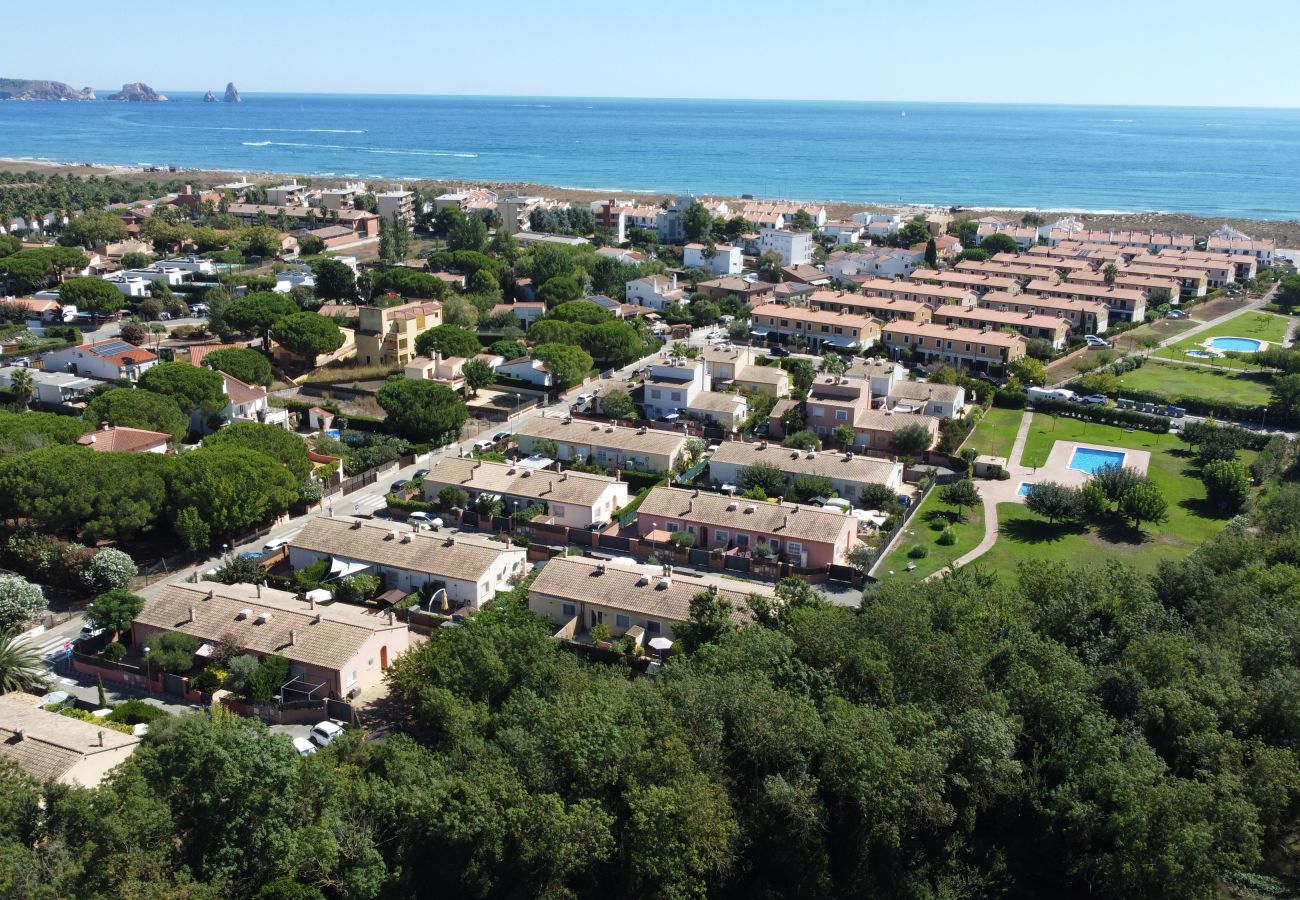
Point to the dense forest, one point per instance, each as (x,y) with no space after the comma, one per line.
(1051,733)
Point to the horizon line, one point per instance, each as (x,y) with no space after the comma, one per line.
(888,102)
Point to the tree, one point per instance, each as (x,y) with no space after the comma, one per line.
(618,404)
(1053,500)
(1109,273)
(1100,383)
(20,602)
(862,556)
(233,489)
(708,619)
(192,530)
(258,312)
(453,497)
(974,254)
(478,374)
(21,666)
(334,280)
(1031,372)
(696,221)
(467,233)
(932,252)
(108,570)
(1144,503)
(999,243)
(910,441)
(808,487)
(1288,295)
(508,350)
(261,242)
(448,341)
(1285,394)
(961,494)
(422,410)
(172,651)
(1227,484)
(92,295)
(94,228)
(1116,480)
(132,408)
(771,267)
(568,365)
(114,610)
(243,363)
(134,333)
(307,334)
(765,475)
(193,388)
(284,447)
(844,436)
(803,440)
(560,290)
(22,386)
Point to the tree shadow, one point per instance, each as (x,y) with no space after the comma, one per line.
(1116,530)
(939,519)
(1201,507)
(1039,531)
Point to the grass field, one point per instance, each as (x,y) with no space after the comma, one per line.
(996,432)
(1025,537)
(1259,325)
(1176,381)
(924,528)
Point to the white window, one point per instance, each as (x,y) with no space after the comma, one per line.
(352,677)
(841,415)
(656,394)
(652,627)
(568,609)
(794,547)
(720,535)
(622,621)
(818,412)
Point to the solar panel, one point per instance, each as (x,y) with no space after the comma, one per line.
(114,347)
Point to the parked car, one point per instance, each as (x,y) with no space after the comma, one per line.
(598,526)
(418,519)
(1093,399)
(304,746)
(89,631)
(420,473)
(500,437)
(1093,340)
(1176,314)
(1176,412)
(484,445)
(779,352)
(324,733)
(399,485)
(275,546)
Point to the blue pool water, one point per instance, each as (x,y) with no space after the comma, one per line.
(1087,459)
(1240,345)
(1023,490)
(1202,354)
(333,433)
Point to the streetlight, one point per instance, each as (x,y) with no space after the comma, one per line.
(225,550)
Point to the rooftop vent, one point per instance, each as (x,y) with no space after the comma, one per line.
(191,618)
(316,619)
(243,614)
(732,506)
(609,429)
(762,445)
(526,473)
(451,541)
(293,637)
(262,618)
(406,538)
(600,568)
(713,589)
(750,509)
(664,583)
(595,428)
(392,535)
(812,454)
(356,526)
(210,595)
(643,581)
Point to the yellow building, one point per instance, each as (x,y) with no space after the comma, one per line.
(386,335)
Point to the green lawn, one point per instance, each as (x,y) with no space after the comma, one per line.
(1176,381)
(924,528)
(1025,537)
(1260,325)
(996,432)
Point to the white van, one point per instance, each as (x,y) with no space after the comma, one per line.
(1037,393)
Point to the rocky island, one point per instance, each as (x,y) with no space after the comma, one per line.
(35,89)
(232,94)
(209,97)
(137,92)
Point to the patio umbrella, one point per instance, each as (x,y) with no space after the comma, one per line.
(661,643)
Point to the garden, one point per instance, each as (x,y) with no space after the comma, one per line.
(996,432)
(1177,382)
(1261,326)
(937,534)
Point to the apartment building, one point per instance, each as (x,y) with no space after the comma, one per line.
(657,292)
(1155,288)
(396,206)
(794,247)
(1148,240)
(386,334)
(968,281)
(837,401)
(877,307)
(1027,324)
(819,327)
(1016,270)
(876,262)
(932,295)
(1084,316)
(751,292)
(671,388)
(1025,236)
(849,472)
(1124,303)
(1236,243)
(953,344)
(720,259)
(575,499)
(609,446)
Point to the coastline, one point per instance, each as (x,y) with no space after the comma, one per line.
(1285,232)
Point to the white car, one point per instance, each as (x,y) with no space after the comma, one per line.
(419,518)
(89,631)
(484,445)
(1095,341)
(304,746)
(275,546)
(324,733)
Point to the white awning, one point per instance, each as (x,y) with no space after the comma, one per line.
(341,568)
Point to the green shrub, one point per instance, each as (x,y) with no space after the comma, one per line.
(172,651)
(133,712)
(947,539)
(115,652)
(919,551)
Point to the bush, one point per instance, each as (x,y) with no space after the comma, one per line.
(134,712)
(115,652)
(209,680)
(919,551)
(268,678)
(1102,414)
(20,602)
(356,588)
(241,669)
(240,571)
(107,570)
(947,538)
(172,651)
(1005,398)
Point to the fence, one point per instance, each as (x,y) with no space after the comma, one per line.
(892,538)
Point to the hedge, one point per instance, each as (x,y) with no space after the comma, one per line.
(1106,415)
(639,481)
(1004,398)
(411,505)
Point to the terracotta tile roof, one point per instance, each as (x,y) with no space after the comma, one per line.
(864,469)
(581,580)
(790,521)
(412,310)
(198,352)
(134,355)
(327,635)
(50,744)
(820,316)
(502,478)
(117,438)
(1084,290)
(590,434)
(977,315)
(238,392)
(32,303)
(953,333)
(466,558)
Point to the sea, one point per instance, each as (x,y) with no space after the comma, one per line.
(1200,161)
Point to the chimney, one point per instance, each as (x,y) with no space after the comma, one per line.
(311,602)
(785,521)
(20,734)
(191,618)
(101,739)
(104,426)
(259,591)
(211,594)
(390,616)
(293,636)
(315,619)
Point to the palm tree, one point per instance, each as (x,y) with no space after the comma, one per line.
(21,385)
(1109,272)
(20,665)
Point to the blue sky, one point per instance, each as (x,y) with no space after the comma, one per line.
(1159,52)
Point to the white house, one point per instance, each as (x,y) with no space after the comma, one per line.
(883,262)
(289,279)
(471,569)
(107,360)
(130,285)
(658,292)
(723,259)
(527,369)
(844,232)
(52,388)
(195,265)
(794,247)
(244,403)
(670,388)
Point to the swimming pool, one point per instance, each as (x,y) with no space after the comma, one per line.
(1203,354)
(1023,490)
(332,433)
(1090,459)
(1237,344)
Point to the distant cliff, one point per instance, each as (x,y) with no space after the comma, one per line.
(232,95)
(137,92)
(30,89)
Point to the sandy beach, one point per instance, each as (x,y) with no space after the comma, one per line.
(1286,233)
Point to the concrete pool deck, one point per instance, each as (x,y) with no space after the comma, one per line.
(1057,468)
